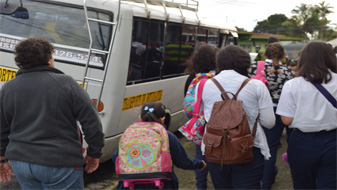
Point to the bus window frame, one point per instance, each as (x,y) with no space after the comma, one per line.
(222,37)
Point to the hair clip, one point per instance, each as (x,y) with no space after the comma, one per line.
(150,110)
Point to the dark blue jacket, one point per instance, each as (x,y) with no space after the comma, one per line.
(179,159)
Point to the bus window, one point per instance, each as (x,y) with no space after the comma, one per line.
(186,46)
(201,36)
(154,51)
(138,50)
(230,40)
(176,52)
(59,24)
(189,35)
(213,37)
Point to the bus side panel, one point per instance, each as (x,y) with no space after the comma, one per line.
(115,84)
(168,91)
(114,88)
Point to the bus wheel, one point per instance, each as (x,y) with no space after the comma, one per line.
(167,120)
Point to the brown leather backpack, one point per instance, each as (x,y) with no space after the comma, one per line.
(228,139)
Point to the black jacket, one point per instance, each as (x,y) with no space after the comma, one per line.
(38,113)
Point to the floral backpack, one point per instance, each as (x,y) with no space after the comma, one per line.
(144,155)
(189,100)
(194,129)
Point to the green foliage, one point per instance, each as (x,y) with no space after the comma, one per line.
(308,21)
(276,19)
(273,24)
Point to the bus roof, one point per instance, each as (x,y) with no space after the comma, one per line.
(173,15)
(156,12)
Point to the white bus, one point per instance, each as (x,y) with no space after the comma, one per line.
(137,50)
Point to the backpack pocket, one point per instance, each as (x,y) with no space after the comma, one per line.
(213,147)
(241,149)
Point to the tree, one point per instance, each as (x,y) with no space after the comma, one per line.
(302,13)
(307,22)
(276,19)
(273,24)
(323,9)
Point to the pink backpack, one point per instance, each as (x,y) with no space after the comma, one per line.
(260,74)
(144,155)
(189,100)
(194,128)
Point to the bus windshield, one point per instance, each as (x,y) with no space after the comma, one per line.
(63,25)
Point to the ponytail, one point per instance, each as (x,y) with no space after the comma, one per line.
(275,52)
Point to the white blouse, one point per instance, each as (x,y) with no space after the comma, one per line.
(311,111)
(256,101)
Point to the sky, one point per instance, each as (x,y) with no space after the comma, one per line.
(246,13)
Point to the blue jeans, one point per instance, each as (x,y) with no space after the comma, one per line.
(238,176)
(200,176)
(312,159)
(273,138)
(34,176)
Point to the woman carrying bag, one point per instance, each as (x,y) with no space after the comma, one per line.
(308,105)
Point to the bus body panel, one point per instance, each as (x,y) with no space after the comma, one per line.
(121,99)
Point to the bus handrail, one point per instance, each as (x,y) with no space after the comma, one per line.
(194,7)
(92,50)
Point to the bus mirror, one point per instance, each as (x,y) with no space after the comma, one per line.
(14,10)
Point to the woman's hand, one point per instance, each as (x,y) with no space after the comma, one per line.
(92,164)
(205,165)
(6,172)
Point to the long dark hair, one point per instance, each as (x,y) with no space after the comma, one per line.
(315,60)
(152,112)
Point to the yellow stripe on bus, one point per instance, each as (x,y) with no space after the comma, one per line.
(8,74)
(140,99)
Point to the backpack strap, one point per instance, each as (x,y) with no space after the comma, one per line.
(197,104)
(326,94)
(223,92)
(260,67)
(241,87)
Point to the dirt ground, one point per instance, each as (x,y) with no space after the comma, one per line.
(187,178)
(105,179)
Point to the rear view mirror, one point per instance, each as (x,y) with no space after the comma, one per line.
(14,10)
